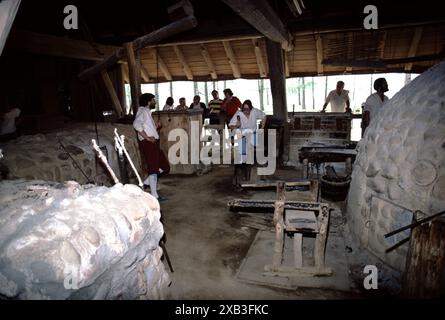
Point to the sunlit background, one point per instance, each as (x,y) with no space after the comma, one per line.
(303,94)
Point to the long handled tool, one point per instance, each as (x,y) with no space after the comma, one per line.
(104,161)
(75,162)
(120,141)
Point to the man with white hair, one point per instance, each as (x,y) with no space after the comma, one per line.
(338,98)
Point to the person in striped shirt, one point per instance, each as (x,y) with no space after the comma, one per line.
(215,108)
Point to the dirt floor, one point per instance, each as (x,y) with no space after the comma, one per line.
(207,242)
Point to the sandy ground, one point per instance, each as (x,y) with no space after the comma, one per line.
(207,243)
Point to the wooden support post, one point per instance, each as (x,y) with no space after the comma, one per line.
(112,93)
(424,275)
(134,70)
(279,226)
(183,62)
(320,240)
(209,62)
(232,59)
(277,80)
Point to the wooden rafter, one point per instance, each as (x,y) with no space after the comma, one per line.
(162,66)
(125,73)
(319,45)
(173,28)
(417,36)
(209,62)
(144,73)
(259,58)
(232,59)
(183,62)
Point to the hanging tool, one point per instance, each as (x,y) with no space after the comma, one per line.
(75,162)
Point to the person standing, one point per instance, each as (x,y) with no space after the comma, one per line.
(338,98)
(374,102)
(215,108)
(245,121)
(169,104)
(148,136)
(182,105)
(230,105)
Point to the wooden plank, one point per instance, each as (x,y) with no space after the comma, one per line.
(232,59)
(161,64)
(417,36)
(279,226)
(183,62)
(8,11)
(287,271)
(259,58)
(262,17)
(209,62)
(319,45)
(112,93)
(156,36)
(134,71)
(423,276)
(320,240)
(298,250)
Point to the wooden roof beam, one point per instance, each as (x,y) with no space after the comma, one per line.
(319,45)
(417,36)
(259,58)
(185,66)
(162,66)
(154,37)
(112,93)
(209,62)
(262,17)
(57,46)
(232,59)
(144,73)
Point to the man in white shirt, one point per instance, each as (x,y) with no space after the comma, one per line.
(148,136)
(374,102)
(338,98)
(8,129)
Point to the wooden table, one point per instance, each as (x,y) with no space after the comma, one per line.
(318,155)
